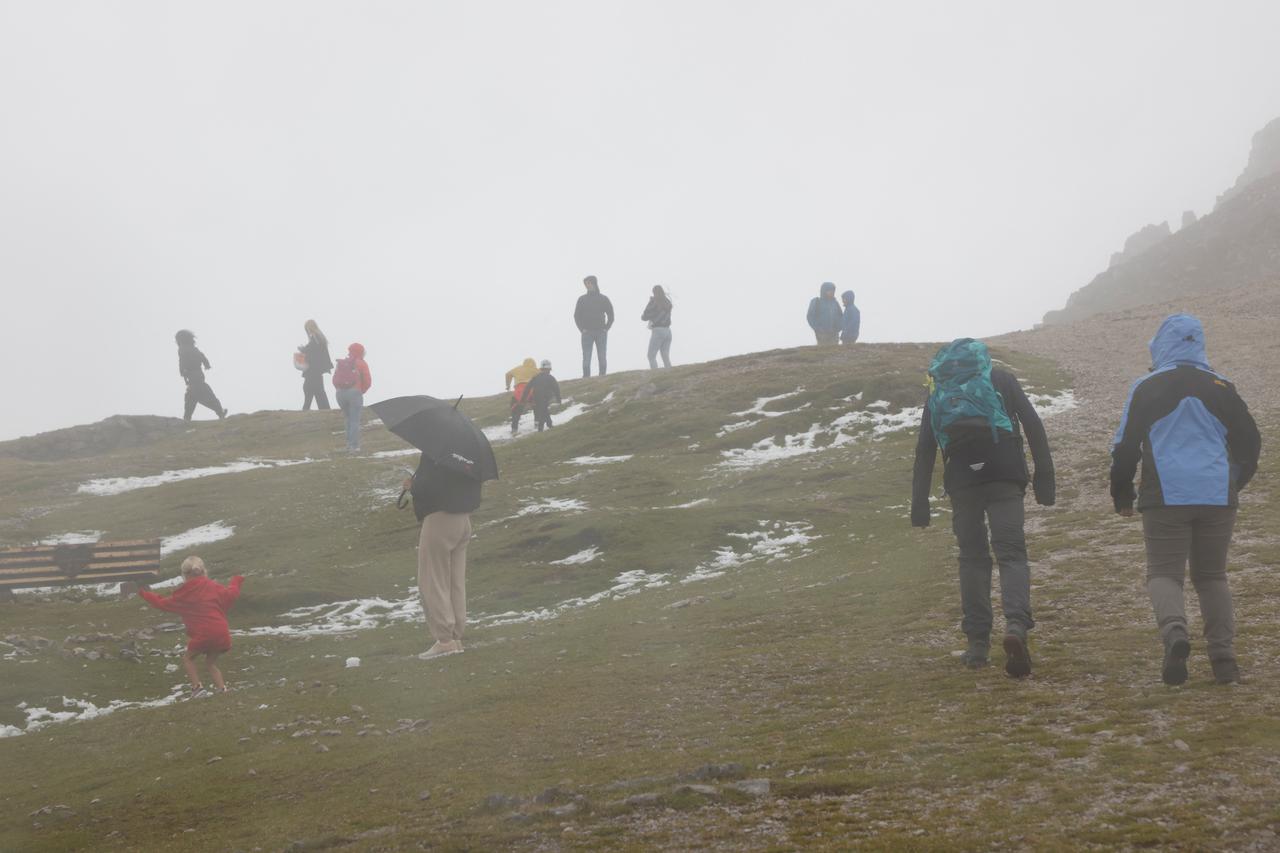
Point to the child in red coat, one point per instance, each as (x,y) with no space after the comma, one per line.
(202,604)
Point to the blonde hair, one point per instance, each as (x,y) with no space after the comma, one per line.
(313,329)
(193,567)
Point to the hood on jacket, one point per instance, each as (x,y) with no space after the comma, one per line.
(847,296)
(356,350)
(528,362)
(194,588)
(185,338)
(1179,340)
(828,289)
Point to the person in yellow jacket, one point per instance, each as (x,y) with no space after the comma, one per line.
(520,375)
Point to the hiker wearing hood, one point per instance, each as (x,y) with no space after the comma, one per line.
(520,375)
(1198,446)
(977,415)
(351,379)
(191,367)
(202,604)
(594,316)
(541,389)
(316,352)
(825,316)
(658,314)
(851,323)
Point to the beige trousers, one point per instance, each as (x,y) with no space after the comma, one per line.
(442,573)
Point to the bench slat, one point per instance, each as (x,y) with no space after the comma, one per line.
(61,580)
(92,568)
(43,562)
(97,546)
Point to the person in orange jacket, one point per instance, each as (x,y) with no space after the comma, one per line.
(520,375)
(202,604)
(351,378)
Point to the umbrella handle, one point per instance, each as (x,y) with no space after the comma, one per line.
(402,501)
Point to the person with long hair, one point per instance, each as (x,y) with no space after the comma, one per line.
(316,352)
(658,315)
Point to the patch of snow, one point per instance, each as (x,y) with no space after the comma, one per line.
(579,558)
(204,534)
(842,431)
(392,454)
(120,485)
(624,585)
(774,540)
(757,412)
(599,460)
(83,709)
(81,537)
(1048,405)
(551,505)
(340,617)
(689,505)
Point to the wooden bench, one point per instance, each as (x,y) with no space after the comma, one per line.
(127,563)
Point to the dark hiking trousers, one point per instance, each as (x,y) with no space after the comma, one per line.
(313,389)
(1202,535)
(542,416)
(598,338)
(199,392)
(998,504)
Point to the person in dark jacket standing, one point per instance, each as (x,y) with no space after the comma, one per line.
(541,389)
(987,480)
(851,322)
(443,500)
(316,351)
(658,315)
(1199,447)
(191,367)
(594,316)
(825,316)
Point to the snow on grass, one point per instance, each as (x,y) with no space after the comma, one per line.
(1048,405)
(215,531)
(774,540)
(624,585)
(80,710)
(689,505)
(120,485)
(392,454)
(843,430)
(599,460)
(757,413)
(502,432)
(551,505)
(80,537)
(579,558)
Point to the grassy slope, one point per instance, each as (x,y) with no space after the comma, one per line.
(831,673)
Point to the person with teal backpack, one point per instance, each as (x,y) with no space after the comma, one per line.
(976,414)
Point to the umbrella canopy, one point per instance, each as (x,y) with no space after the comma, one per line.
(444,434)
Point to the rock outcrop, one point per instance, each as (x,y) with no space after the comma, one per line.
(1140,241)
(1264,160)
(115,433)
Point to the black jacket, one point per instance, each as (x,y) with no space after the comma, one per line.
(1194,435)
(541,389)
(657,312)
(318,361)
(437,489)
(192,364)
(973,458)
(593,312)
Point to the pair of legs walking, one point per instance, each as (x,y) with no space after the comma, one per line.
(542,416)
(1000,505)
(1201,536)
(199,393)
(442,579)
(598,338)
(660,342)
(211,661)
(351,401)
(313,389)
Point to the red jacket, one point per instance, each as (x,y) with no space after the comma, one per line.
(356,351)
(202,604)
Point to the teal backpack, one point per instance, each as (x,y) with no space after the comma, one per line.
(961,394)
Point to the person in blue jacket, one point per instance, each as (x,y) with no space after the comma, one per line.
(825,316)
(1198,446)
(852,322)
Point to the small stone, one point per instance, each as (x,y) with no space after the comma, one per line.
(245,739)
(253,772)
(321,747)
(753,787)
(214,760)
(720,771)
(701,790)
(1182,745)
(424,795)
(567,810)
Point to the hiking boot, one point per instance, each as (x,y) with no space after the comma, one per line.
(440,649)
(1225,671)
(1017,661)
(977,655)
(1176,652)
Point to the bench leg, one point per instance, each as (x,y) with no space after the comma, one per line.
(128,589)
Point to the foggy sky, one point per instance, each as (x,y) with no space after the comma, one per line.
(435,179)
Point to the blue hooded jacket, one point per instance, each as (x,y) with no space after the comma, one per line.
(825,314)
(852,319)
(1194,436)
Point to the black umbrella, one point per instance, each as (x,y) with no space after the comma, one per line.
(445,435)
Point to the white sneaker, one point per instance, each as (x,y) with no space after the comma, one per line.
(439,650)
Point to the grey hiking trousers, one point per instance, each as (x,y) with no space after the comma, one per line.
(1000,504)
(1201,534)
